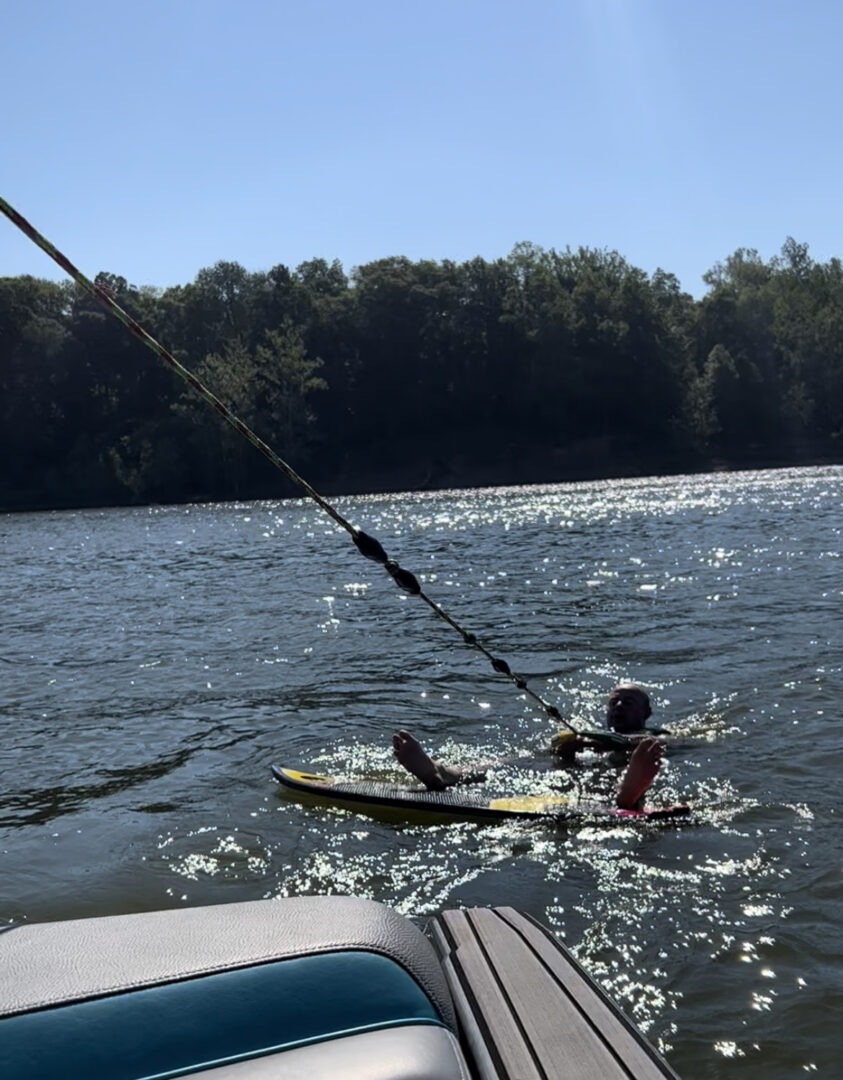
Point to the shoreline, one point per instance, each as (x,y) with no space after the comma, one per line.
(431,479)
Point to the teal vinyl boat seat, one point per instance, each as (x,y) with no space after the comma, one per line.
(312,987)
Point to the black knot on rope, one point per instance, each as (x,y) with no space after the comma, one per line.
(521,683)
(403,578)
(551,710)
(469,639)
(501,666)
(369,546)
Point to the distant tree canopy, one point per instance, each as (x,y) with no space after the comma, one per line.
(543,365)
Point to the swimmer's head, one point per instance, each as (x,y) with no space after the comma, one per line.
(628,709)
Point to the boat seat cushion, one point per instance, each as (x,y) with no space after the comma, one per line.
(405,1053)
(170,993)
(55,963)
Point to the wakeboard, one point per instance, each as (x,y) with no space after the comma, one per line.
(458,803)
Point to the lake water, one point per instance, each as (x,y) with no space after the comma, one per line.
(155,662)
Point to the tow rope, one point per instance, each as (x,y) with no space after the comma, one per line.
(367,545)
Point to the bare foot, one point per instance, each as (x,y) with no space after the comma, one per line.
(640,773)
(411,754)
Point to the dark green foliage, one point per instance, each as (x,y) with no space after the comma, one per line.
(543,365)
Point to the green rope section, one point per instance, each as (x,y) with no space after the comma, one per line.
(367,545)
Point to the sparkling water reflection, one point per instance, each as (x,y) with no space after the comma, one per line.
(155,662)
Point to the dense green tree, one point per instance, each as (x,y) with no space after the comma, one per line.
(33,332)
(268,388)
(543,364)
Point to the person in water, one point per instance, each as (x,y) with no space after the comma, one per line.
(627,712)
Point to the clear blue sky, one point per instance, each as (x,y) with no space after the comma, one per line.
(153,139)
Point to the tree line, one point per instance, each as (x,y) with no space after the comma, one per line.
(543,365)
